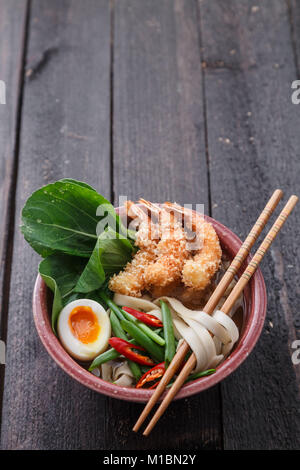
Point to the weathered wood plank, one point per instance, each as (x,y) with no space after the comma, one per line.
(159,153)
(12,42)
(65,133)
(12,30)
(294,17)
(253,144)
(158,116)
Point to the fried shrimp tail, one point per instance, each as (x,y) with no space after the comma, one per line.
(147,233)
(178,251)
(171,249)
(131,280)
(198,271)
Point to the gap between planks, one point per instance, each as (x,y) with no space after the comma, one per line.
(11,209)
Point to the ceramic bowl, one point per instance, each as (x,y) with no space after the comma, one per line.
(255,300)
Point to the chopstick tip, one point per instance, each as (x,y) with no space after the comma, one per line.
(293,200)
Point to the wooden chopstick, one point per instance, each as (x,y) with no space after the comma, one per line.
(234,295)
(214,300)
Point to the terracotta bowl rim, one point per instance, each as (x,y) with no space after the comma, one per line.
(246,343)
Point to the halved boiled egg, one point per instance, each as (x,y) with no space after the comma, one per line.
(84,329)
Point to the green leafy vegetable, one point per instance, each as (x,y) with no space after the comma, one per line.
(57,304)
(93,274)
(72,278)
(80,183)
(65,216)
(109,256)
(60,273)
(81,237)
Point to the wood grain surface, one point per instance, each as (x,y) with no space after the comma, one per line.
(12,37)
(185,100)
(253,142)
(159,147)
(65,132)
(13,23)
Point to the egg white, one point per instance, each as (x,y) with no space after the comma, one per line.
(77,349)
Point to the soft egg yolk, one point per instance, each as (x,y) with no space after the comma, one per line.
(84,324)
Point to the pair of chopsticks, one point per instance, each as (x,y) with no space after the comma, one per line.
(214,300)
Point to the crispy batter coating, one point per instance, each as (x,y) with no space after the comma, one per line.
(166,258)
(131,280)
(171,252)
(198,271)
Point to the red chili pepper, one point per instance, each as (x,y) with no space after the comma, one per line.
(127,349)
(154,374)
(146,318)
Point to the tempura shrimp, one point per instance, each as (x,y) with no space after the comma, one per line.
(147,234)
(171,249)
(131,280)
(167,260)
(198,271)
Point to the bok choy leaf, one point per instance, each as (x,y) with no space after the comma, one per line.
(81,238)
(64,216)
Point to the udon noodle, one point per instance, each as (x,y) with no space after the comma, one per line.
(210,337)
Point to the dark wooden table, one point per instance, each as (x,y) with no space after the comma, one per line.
(180,100)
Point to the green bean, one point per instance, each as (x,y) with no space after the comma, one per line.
(121,314)
(160,332)
(195,376)
(168,333)
(116,326)
(120,333)
(111,304)
(151,333)
(143,340)
(108,355)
